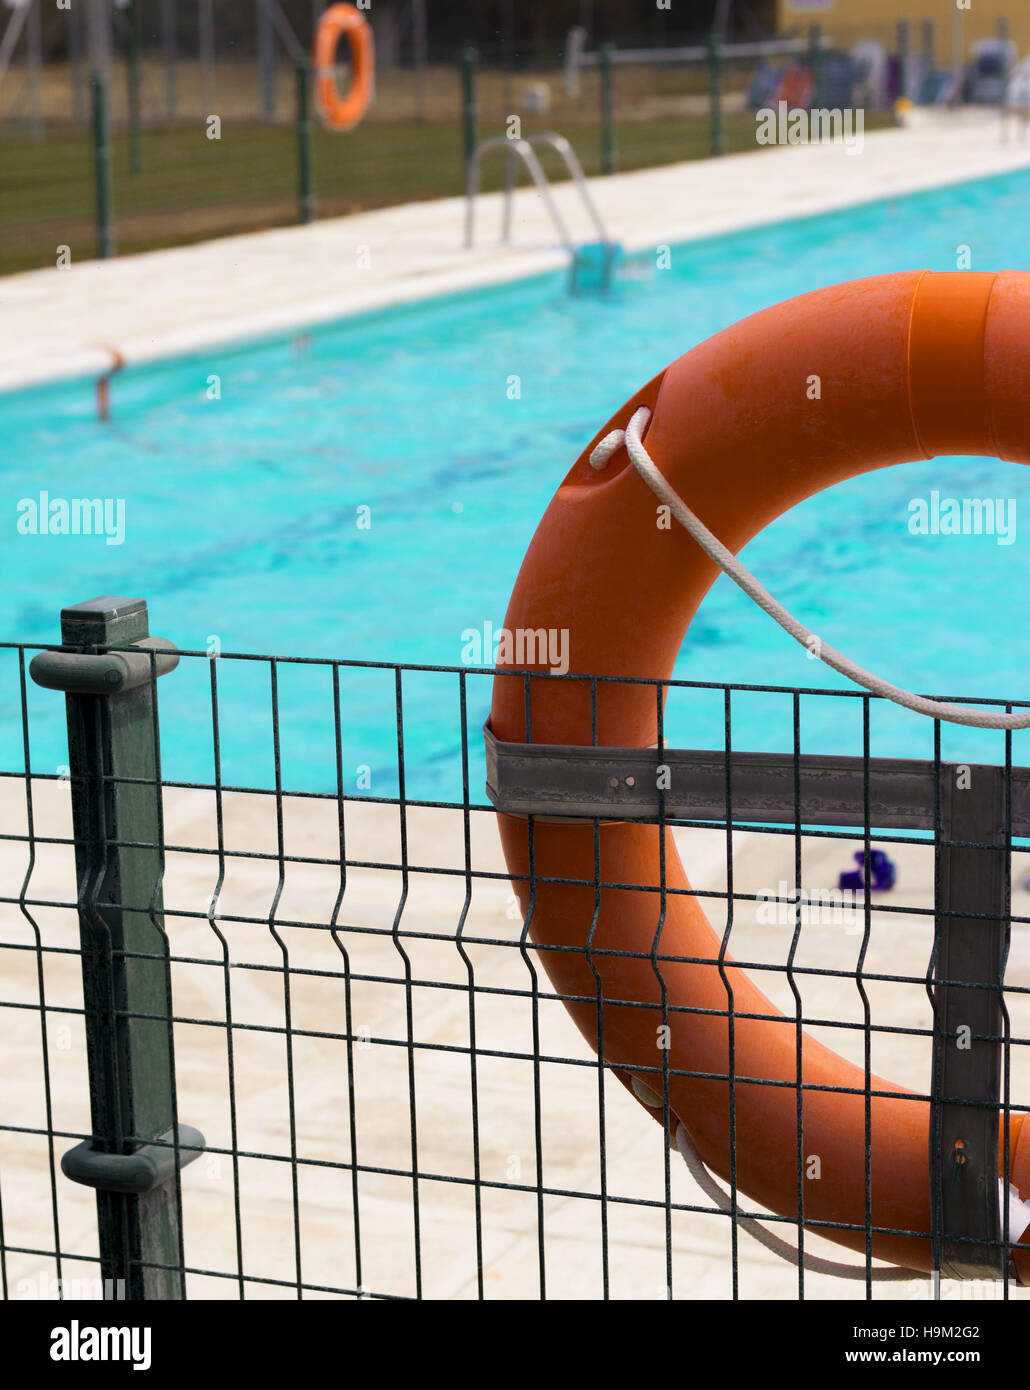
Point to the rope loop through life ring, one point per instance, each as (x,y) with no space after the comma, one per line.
(630,439)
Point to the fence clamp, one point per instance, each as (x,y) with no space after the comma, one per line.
(141,1171)
(972,826)
(108,673)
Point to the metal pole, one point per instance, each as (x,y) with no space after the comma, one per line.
(266,58)
(507,52)
(815,62)
(1003,35)
(170,49)
(135,47)
(511,178)
(99,36)
(904,52)
(715,92)
(75,72)
(972,928)
(34,38)
(929,57)
(102,166)
(126,979)
(469,60)
(607,112)
(206,52)
(958,50)
(420,45)
(306,187)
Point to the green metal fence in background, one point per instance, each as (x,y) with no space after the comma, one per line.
(188,142)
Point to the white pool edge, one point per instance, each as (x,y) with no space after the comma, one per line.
(742,192)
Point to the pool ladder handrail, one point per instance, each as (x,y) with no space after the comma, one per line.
(523,149)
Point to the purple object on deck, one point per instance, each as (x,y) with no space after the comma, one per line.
(883,872)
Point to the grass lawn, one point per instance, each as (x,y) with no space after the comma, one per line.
(192,188)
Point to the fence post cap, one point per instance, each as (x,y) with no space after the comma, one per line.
(108,619)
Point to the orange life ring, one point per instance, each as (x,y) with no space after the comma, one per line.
(338,21)
(911,365)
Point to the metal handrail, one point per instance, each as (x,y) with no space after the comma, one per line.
(522,148)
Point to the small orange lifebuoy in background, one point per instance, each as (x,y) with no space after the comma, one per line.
(341,21)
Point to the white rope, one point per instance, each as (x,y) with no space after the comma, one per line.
(729,564)
(813,1264)
(935,709)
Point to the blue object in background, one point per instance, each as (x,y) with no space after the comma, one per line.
(883,872)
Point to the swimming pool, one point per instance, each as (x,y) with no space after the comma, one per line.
(246,473)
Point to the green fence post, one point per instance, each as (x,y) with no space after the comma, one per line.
(34,44)
(715,92)
(75,26)
(102,166)
(469,60)
(306,187)
(904,52)
(126,980)
(929,58)
(607,111)
(135,45)
(815,63)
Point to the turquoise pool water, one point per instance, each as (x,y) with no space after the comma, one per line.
(242,513)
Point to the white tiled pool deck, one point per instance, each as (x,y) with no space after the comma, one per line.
(64,322)
(506,1127)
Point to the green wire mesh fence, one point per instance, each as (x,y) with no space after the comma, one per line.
(278,1043)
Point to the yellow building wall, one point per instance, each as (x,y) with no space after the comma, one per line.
(879,19)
